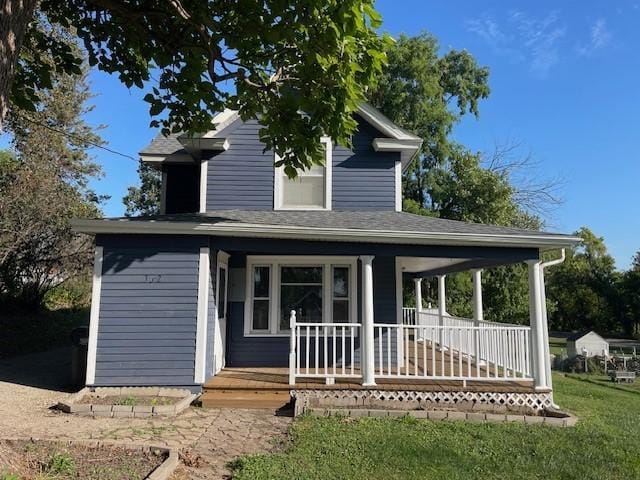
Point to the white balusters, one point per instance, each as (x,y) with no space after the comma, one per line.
(323,350)
(466,352)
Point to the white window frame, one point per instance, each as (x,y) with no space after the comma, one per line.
(275,263)
(328,167)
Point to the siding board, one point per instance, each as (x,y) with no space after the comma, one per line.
(242,176)
(148,309)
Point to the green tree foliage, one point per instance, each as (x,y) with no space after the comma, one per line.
(428,94)
(144,199)
(630,297)
(301,65)
(584,289)
(43,185)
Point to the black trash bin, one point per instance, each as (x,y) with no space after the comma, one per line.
(79,340)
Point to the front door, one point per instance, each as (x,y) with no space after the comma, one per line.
(220,331)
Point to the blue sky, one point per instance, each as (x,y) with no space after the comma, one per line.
(564,80)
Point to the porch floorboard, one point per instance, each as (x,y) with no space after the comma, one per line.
(273,379)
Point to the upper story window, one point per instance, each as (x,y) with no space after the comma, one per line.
(310,190)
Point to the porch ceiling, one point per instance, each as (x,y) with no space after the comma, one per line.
(428,267)
(416,265)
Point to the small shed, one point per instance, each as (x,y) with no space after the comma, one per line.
(587,341)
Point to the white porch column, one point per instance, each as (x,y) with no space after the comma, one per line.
(442,297)
(442,305)
(417,282)
(368,353)
(537,324)
(478,315)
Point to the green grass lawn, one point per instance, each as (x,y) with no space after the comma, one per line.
(604,445)
(606,381)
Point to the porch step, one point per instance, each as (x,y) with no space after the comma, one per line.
(245,398)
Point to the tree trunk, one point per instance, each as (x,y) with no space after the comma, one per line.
(15,16)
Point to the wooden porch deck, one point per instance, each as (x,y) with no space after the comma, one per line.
(265,387)
(265,379)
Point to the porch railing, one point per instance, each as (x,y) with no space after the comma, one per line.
(453,352)
(408,316)
(436,348)
(323,350)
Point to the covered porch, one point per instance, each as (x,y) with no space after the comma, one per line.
(426,345)
(421,353)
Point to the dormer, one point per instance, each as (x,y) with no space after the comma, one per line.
(230,169)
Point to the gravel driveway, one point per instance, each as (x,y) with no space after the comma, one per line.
(31,385)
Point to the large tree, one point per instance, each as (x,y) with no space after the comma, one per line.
(584,289)
(44,183)
(629,290)
(301,65)
(144,199)
(427,93)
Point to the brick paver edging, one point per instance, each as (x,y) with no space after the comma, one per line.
(73,405)
(161,472)
(560,419)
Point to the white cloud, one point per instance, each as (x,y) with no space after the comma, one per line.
(534,41)
(487,29)
(600,38)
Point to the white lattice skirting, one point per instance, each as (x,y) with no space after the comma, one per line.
(532,402)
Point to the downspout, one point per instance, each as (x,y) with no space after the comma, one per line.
(545,330)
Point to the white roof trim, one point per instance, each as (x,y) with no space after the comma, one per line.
(204,143)
(382,123)
(171,158)
(221,121)
(395,145)
(321,233)
(400,140)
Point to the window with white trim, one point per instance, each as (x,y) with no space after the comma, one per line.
(310,190)
(319,289)
(261,299)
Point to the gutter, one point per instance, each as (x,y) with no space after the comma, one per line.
(544,265)
(557,261)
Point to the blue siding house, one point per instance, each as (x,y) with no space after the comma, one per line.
(247,271)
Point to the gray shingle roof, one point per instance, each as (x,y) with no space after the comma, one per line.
(353,220)
(162,145)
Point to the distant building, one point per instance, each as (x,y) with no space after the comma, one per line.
(587,343)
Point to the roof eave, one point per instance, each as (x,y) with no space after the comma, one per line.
(547,242)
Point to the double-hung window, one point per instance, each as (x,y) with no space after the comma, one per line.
(310,190)
(318,289)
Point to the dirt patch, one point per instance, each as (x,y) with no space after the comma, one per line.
(131,400)
(46,460)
